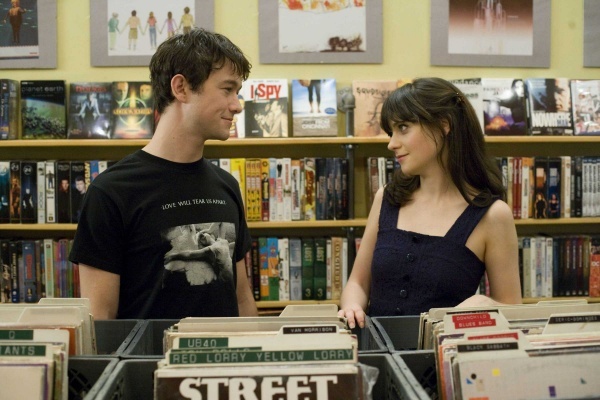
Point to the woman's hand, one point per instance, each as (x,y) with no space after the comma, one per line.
(479,300)
(355,315)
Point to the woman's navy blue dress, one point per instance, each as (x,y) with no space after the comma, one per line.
(412,272)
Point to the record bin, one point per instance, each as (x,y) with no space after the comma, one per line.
(87,375)
(398,333)
(148,341)
(130,379)
(391,383)
(134,379)
(369,339)
(419,370)
(113,336)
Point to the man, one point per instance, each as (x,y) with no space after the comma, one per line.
(121,93)
(187,20)
(28,209)
(157,227)
(15,17)
(134,24)
(77,197)
(278,121)
(64,202)
(15,200)
(145,92)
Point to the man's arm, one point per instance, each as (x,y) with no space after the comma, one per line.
(246,303)
(102,288)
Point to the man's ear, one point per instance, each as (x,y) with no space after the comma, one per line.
(180,87)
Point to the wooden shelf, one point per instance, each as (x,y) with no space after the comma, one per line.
(281,304)
(362,222)
(59,143)
(557,221)
(252,225)
(134,143)
(542,139)
(348,223)
(531,300)
(17,228)
(534,300)
(137,143)
(335,224)
(291,141)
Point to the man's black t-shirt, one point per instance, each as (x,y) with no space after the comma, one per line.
(173,232)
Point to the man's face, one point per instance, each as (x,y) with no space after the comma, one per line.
(80,186)
(276,107)
(121,91)
(145,92)
(64,185)
(211,109)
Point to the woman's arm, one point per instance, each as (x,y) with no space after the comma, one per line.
(502,254)
(355,297)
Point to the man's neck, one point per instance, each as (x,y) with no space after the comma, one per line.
(173,142)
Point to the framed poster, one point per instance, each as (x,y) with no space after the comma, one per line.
(337,31)
(591,33)
(28,34)
(127,32)
(491,33)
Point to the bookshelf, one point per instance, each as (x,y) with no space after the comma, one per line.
(85,149)
(361,148)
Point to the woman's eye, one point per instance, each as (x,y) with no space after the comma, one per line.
(401,127)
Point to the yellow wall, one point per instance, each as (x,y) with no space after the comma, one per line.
(406,47)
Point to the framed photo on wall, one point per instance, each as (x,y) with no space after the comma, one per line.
(28,34)
(591,33)
(126,33)
(331,32)
(491,33)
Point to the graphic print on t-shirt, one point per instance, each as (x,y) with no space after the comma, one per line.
(202,251)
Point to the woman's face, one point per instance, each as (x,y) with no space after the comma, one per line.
(414,147)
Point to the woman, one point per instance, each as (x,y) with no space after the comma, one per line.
(151,24)
(171,25)
(439,225)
